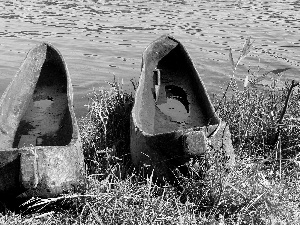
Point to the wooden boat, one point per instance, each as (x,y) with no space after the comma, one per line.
(172,118)
(40,147)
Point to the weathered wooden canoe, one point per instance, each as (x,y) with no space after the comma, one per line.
(40,147)
(173,119)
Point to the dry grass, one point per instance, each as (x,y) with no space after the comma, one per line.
(105,130)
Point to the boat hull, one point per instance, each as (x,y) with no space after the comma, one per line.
(172,118)
(160,155)
(40,147)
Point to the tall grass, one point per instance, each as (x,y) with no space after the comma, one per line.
(105,130)
(263,188)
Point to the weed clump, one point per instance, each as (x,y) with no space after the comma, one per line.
(105,130)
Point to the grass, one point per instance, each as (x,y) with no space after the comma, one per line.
(263,188)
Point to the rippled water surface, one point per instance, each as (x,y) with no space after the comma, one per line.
(106,38)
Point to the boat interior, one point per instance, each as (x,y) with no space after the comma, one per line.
(180,98)
(47,120)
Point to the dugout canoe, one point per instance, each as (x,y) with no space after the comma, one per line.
(172,119)
(40,147)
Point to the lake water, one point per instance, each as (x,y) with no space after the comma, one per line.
(100,39)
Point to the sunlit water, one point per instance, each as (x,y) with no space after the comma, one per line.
(106,38)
